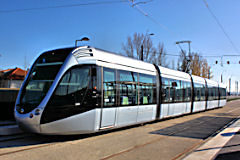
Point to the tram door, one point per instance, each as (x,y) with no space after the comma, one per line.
(108,112)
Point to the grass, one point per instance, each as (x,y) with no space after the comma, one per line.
(232,99)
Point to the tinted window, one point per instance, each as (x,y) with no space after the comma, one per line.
(222,93)
(165,90)
(109,87)
(186,91)
(73,95)
(203,92)
(128,88)
(199,92)
(178,93)
(175,90)
(41,78)
(147,87)
(213,93)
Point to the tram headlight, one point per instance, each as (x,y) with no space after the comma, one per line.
(37,112)
(31,115)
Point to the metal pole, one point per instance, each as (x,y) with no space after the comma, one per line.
(141,58)
(189,48)
(236,88)
(208,73)
(230,86)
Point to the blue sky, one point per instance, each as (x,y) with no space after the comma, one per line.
(28,33)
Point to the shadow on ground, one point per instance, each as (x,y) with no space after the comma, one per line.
(200,128)
(229,156)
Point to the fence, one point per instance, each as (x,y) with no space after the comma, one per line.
(10,83)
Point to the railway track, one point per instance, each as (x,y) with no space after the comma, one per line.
(185,152)
(31,142)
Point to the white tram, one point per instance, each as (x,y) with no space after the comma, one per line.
(85,90)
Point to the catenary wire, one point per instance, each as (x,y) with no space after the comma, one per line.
(135,5)
(64,6)
(221,26)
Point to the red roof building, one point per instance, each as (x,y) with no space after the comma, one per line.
(13,74)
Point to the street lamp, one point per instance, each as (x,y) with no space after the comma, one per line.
(141,58)
(189,47)
(189,51)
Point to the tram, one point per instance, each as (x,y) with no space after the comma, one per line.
(83,90)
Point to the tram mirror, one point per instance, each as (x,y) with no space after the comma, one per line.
(174,84)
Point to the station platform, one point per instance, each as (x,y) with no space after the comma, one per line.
(9,128)
(224,146)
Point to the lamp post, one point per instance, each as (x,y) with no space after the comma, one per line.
(189,51)
(189,47)
(141,56)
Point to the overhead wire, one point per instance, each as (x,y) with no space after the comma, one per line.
(221,26)
(134,5)
(64,6)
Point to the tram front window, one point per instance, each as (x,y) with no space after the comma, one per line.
(73,95)
(72,90)
(40,79)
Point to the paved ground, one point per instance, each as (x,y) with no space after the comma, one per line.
(168,139)
(230,151)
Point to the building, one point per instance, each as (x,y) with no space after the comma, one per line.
(12,78)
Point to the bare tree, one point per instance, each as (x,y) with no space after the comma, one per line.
(159,56)
(141,44)
(138,44)
(129,48)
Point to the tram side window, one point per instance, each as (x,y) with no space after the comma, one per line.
(210,93)
(109,87)
(222,93)
(173,86)
(165,90)
(128,86)
(203,93)
(178,92)
(188,91)
(213,93)
(147,87)
(184,91)
(172,91)
(197,92)
(216,93)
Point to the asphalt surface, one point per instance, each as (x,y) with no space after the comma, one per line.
(166,139)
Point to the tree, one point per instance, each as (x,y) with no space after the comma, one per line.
(197,65)
(142,43)
(159,56)
(206,70)
(182,64)
(133,46)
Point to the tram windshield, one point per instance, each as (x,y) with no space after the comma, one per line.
(41,78)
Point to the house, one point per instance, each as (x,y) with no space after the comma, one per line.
(13,74)
(12,78)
